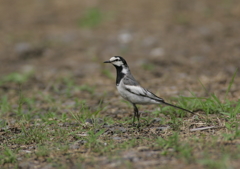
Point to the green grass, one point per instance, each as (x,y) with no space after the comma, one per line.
(5,105)
(15,77)
(148,66)
(53,121)
(7,156)
(92,18)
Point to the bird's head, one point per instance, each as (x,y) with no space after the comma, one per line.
(117,61)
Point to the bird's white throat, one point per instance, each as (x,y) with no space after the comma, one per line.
(125,70)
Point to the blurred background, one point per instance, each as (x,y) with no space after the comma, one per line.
(170,45)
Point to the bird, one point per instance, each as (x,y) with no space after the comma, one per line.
(131,90)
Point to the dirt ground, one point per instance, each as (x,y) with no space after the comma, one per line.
(170,45)
(184,41)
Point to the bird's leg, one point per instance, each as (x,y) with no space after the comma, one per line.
(134,117)
(136,113)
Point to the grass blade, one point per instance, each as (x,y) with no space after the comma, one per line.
(230,84)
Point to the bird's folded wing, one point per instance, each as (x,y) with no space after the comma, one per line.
(138,90)
(133,86)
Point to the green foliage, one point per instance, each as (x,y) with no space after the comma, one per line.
(92,18)
(85,112)
(32,135)
(42,151)
(93,139)
(87,88)
(107,73)
(231,83)
(53,123)
(4,105)
(7,156)
(148,66)
(210,163)
(234,129)
(19,78)
(182,149)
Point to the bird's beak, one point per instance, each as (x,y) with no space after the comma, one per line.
(107,61)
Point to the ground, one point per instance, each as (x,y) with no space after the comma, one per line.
(59,106)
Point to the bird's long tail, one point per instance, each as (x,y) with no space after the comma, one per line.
(177,107)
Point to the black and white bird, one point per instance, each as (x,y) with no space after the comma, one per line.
(130,89)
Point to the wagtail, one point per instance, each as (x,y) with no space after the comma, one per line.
(131,90)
